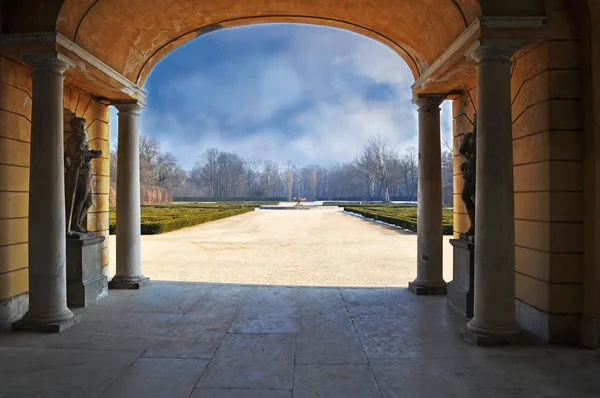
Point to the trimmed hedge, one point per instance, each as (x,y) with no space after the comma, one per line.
(401,216)
(369,204)
(156,219)
(201,199)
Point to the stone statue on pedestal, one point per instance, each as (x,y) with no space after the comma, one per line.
(78,178)
(467,150)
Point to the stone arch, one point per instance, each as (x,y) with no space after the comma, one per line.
(132,36)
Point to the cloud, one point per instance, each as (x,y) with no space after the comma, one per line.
(282,92)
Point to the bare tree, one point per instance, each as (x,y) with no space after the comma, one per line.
(220,174)
(168,173)
(410,175)
(270,170)
(313,184)
(379,162)
(366,165)
(149,152)
(447,176)
(289,180)
(113,167)
(252,180)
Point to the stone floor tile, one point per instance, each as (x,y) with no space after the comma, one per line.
(222,296)
(267,310)
(335,381)
(25,338)
(203,346)
(215,320)
(410,337)
(255,361)
(230,393)
(391,302)
(492,377)
(48,373)
(158,377)
(105,342)
(162,297)
(341,350)
(126,323)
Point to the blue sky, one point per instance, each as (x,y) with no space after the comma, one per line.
(304,93)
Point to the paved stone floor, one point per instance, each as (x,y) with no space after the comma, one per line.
(198,339)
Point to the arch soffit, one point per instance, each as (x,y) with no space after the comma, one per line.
(133,36)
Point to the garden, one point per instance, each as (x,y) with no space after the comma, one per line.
(156,219)
(401,215)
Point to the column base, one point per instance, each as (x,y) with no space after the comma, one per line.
(481,336)
(48,327)
(127,282)
(423,289)
(485,340)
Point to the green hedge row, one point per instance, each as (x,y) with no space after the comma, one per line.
(201,199)
(405,217)
(165,218)
(369,204)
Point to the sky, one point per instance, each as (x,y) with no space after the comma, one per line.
(282,92)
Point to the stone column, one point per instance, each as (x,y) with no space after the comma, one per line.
(47,220)
(429,202)
(129,256)
(494,307)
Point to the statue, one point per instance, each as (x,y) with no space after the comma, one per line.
(467,150)
(78,178)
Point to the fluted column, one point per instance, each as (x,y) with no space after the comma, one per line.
(494,307)
(430,278)
(129,256)
(47,223)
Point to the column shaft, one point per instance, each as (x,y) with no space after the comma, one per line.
(494,308)
(47,224)
(429,203)
(129,257)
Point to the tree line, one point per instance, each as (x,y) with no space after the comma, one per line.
(379,172)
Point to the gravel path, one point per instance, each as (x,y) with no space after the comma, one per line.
(307,248)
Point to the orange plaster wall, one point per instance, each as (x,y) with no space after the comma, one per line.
(15,129)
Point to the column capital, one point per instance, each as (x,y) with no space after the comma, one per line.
(500,50)
(428,101)
(48,62)
(130,107)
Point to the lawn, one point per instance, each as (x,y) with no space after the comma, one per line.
(157,219)
(402,215)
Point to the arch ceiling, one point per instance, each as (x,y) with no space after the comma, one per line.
(131,36)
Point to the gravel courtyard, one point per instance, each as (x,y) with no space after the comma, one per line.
(282,247)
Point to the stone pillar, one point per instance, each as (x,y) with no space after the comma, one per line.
(494,307)
(129,262)
(430,278)
(47,220)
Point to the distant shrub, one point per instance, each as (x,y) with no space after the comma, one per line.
(400,215)
(156,219)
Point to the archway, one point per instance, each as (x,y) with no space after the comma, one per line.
(434,38)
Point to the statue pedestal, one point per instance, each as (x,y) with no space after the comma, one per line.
(85,282)
(461,289)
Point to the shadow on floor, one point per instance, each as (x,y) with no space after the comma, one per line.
(183,339)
